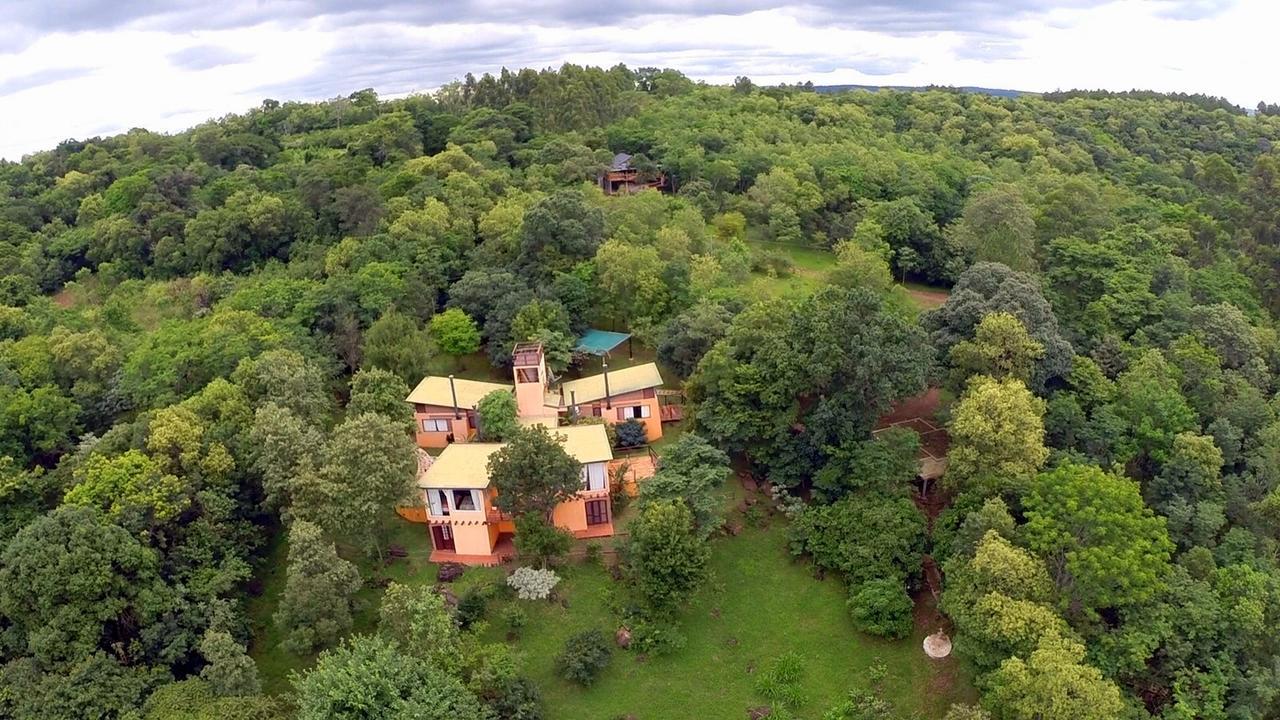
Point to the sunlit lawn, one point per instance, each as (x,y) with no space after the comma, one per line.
(758,604)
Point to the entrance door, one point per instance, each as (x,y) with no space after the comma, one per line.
(442,537)
(597,512)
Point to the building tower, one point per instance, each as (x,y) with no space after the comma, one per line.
(529,366)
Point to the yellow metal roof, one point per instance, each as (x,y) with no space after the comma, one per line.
(434,390)
(466,465)
(460,465)
(586,443)
(590,389)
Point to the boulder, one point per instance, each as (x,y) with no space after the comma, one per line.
(450,571)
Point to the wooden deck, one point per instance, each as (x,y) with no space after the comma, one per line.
(503,551)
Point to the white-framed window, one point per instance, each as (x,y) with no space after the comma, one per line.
(466,500)
(435,425)
(633,412)
(593,476)
(437,502)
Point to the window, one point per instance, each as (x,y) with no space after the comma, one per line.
(597,512)
(633,411)
(438,502)
(435,425)
(465,500)
(593,476)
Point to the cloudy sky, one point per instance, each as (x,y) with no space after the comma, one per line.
(77,68)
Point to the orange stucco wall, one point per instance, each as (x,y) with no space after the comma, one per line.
(652,424)
(459,427)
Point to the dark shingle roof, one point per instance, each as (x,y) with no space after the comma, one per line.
(621,161)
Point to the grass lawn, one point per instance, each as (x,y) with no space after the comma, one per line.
(810,268)
(758,605)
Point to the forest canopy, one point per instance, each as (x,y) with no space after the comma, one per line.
(205,336)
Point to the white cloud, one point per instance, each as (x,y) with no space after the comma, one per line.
(146,74)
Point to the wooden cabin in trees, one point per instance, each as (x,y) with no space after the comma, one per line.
(623,178)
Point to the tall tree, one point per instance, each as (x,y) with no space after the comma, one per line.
(315,608)
(72,584)
(366,678)
(667,558)
(997,437)
(396,343)
(367,467)
(1104,547)
(533,473)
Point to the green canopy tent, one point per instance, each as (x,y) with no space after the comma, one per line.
(602,342)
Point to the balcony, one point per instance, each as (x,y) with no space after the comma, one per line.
(600,494)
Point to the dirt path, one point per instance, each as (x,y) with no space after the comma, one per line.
(927,299)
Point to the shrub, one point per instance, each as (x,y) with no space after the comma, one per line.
(515,618)
(780,682)
(540,542)
(584,656)
(631,434)
(881,607)
(532,583)
(471,608)
(592,553)
(656,636)
(772,262)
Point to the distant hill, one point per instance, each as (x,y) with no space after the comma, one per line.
(998,92)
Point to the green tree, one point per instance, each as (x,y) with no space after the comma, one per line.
(667,559)
(999,598)
(396,343)
(533,473)
(379,392)
(1001,348)
(72,583)
(685,338)
(129,484)
(1053,683)
(882,607)
(367,467)
(315,607)
(229,669)
(419,622)
(863,537)
(366,678)
(997,437)
(497,415)
(1148,399)
(997,226)
(288,379)
(987,288)
(281,441)
(1103,546)
(691,471)
(455,332)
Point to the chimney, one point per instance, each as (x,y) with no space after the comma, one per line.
(604,364)
(573,402)
(454,391)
